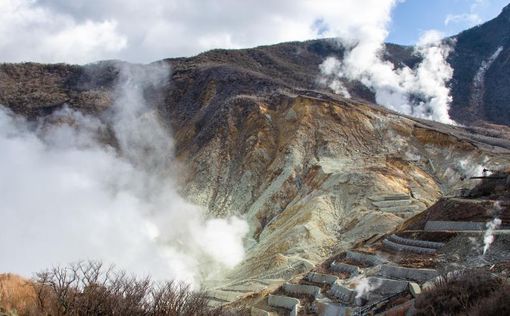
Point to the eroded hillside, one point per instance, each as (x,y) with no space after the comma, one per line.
(257,136)
(307,169)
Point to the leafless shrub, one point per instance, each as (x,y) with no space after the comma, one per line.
(89,288)
(494,305)
(459,293)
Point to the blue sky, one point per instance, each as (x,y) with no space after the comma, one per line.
(412,17)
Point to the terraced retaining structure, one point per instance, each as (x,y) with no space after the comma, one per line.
(453,226)
(404,248)
(345,268)
(312,290)
(363,258)
(396,272)
(344,294)
(286,302)
(387,287)
(416,243)
(321,278)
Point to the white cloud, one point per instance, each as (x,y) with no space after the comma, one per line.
(86,30)
(467,18)
(83,41)
(470,18)
(30,32)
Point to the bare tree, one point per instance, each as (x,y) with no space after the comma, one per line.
(89,288)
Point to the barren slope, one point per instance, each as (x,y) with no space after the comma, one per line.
(312,173)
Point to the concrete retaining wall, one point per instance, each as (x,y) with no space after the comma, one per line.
(400,209)
(447,225)
(345,295)
(398,247)
(370,260)
(258,312)
(302,289)
(392,203)
(387,287)
(345,268)
(390,197)
(418,275)
(416,243)
(226,296)
(321,278)
(286,302)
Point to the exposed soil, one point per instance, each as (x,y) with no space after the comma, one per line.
(419,262)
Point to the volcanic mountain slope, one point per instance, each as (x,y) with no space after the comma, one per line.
(481,63)
(310,171)
(447,246)
(313,173)
(480,60)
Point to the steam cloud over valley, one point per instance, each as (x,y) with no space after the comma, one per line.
(67,195)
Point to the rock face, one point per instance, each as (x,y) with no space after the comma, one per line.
(307,177)
(313,173)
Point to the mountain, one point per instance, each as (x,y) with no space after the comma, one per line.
(312,172)
(481,63)
(478,87)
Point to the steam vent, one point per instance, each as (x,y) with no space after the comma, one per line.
(335,173)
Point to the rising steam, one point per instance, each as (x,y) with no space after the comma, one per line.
(365,285)
(421,91)
(479,79)
(488,237)
(67,196)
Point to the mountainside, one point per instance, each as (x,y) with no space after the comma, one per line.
(426,266)
(481,63)
(313,173)
(480,60)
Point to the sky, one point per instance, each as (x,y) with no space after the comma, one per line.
(413,17)
(83,31)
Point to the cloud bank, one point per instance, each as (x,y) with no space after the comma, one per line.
(66,196)
(82,31)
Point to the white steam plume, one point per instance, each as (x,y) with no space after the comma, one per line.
(67,197)
(421,92)
(479,79)
(330,69)
(470,167)
(365,285)
(488,237)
